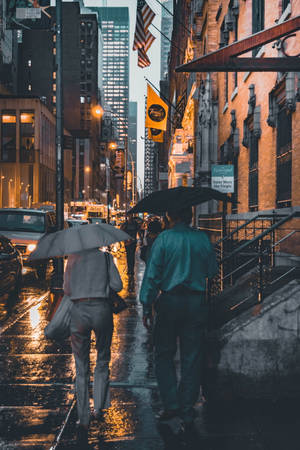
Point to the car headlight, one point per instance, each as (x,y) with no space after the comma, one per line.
(31,247)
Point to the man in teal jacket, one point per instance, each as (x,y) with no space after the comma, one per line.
(180,261)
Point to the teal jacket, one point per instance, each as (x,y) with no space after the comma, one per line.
(179,256)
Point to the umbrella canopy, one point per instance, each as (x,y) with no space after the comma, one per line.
(178,198)
(77,239)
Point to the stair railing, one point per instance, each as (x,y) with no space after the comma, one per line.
(228,263)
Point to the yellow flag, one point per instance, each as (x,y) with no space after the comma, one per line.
(155,135)
(157,111)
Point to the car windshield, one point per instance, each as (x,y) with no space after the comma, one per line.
(21,221)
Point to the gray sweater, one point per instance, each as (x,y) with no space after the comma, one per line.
(86,275)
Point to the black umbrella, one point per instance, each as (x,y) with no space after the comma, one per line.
(178,198)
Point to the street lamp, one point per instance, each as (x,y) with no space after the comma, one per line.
(98,111)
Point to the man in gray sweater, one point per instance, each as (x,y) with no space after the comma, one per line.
(89,276)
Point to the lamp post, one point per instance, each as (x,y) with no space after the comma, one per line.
(1,198)
(98,111)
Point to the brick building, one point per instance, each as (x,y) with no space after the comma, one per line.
(247,119)
(27,157)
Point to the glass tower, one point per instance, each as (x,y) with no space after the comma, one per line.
(115,31)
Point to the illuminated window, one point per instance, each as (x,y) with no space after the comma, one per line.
(27,136)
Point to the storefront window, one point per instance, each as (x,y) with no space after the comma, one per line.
(27,136)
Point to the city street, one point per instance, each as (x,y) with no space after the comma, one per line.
(37,395)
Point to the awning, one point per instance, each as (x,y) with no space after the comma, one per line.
(226,59)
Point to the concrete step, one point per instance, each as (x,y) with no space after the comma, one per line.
(257,354)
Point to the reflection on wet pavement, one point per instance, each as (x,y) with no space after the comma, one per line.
(37,391)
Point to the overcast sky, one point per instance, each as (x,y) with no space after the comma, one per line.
(137,86)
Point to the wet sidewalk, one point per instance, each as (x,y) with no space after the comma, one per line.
(37,395)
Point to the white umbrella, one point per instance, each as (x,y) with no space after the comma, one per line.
(77,239)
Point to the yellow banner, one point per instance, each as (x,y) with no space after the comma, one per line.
(155,135)
(157,111)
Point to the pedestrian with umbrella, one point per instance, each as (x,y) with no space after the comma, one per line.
(90,275)
(180,262)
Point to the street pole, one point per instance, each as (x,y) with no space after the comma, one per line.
(107,166)
(59,141)
(125,172)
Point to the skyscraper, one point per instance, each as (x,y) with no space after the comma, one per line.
(150,166)
(115,31)
(8,55)
(166,28)
(132,143)
(37,76)
(132,130)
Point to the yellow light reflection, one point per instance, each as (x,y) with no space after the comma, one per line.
(35,318)
(119,419)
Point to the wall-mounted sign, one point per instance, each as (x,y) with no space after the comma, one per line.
(222,178)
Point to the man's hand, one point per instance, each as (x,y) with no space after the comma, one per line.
(148,321)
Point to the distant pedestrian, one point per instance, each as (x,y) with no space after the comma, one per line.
(88,278)
(174,282)
(153,229)
(131,227)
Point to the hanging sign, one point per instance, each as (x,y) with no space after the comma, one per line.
(155,135)
(156,112)
(222,178)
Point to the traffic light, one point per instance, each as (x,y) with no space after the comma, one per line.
(106,129)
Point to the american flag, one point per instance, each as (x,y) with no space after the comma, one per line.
(144,17)
(149,40)
(143,60)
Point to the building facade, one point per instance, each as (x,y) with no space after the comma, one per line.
(166,28)
(115,65)
(37,76)
(150,166)
(132,148)
(244,119)
(28,149)
(8,55)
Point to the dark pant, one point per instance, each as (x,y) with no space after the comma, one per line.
(183,316)
(130,253)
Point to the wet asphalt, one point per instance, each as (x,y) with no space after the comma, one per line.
(37,403)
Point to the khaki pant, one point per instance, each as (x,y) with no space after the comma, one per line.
(88,315)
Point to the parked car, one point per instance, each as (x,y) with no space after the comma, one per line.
(76,222)
(24,227)
(10,270)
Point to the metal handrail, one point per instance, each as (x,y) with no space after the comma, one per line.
(256,255)
(260,236)
(248,222)
(236,230)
